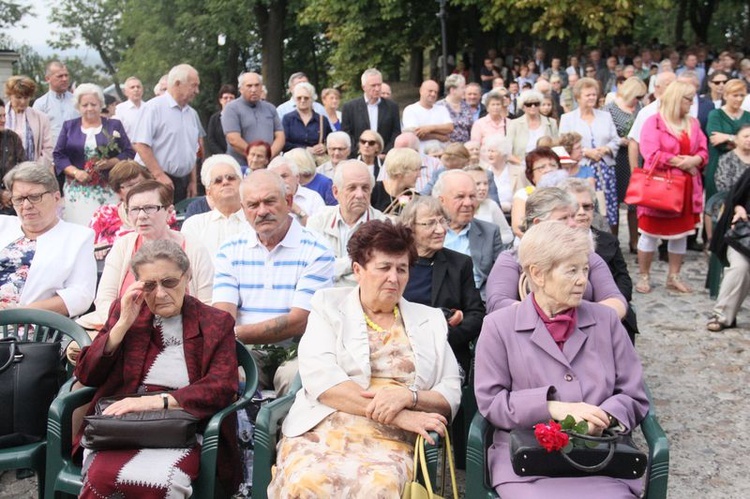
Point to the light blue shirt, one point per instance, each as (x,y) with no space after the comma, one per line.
(459,241)
(172,133)
(59,108)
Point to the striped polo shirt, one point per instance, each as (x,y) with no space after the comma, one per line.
(265,284)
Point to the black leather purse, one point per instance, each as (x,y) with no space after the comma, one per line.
(738,238)
(31,373)
(615,455)
(162,429)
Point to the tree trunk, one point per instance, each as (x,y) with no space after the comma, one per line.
(679,25)
(416,65)
(271,25)
(700,13)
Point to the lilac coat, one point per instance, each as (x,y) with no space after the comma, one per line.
(502,284)
(519,368)
(70,143)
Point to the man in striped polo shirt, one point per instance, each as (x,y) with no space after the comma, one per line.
(266,277)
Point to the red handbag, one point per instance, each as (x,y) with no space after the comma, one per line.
(657,189)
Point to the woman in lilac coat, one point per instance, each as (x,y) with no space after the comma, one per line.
(554,354)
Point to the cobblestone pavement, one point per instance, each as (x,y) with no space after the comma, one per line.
(700,382)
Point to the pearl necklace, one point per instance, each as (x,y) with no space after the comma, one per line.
(379,329)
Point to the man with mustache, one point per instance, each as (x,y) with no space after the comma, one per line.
(352,185)
(265,277)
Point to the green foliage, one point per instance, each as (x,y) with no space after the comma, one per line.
(12,12)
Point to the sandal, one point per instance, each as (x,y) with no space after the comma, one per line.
(644,284)
(674,283)
(715,325)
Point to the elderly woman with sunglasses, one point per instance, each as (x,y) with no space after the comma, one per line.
(149,208)
(45,262)
(221,175)
(524,132)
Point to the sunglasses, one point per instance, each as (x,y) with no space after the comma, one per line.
(719,82)
(639,97)
(531,104)
(368,142)
(168,283)
(229,177)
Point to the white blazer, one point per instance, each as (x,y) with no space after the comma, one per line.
(335,349)
(63,264)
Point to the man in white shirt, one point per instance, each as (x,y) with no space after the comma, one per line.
(305,202)
(221,175)
(425,119)
(58,104)
(169,133)
(352,185)
(129,112)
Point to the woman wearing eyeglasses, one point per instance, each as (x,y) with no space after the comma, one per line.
(443,278)
(600,141)
(716,84)
(525,132)
(149,208)
(45,262)
(303,127)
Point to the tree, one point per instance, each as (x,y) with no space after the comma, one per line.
(11,12)
(97,24)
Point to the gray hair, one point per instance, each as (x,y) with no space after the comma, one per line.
(369,72)
(494,94)
(543,201)
(88,89)
(578,185)
(341,137)
(180,73)
(528,96)
(255,174)
(439,187)
(454,81)
(338,174)
(161,249)
(407,139)
(280,161)
(52,66)
(242,76)
(216,160)
(33,173)
(429,204)
(499,143)
(549,244)
(302,158)
(307,87)
(294,76)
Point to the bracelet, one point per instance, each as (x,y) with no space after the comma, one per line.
(414,397)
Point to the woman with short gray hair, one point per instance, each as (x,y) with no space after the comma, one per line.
(87,148)
(524,132)
(303,127)
(44,262)
(460,112)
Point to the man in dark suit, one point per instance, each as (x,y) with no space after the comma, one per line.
(457,193)
(371,112)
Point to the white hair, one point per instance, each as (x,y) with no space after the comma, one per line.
(180,73)
(338,175)
(280,161)
(499,143)
(530,95)
(339,136)
(439,187)
(369,72)
(216,160)
(242,76)
(88,89)
(306,87)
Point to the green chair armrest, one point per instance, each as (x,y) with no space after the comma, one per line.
(658,453)
(267,426)
(477,473)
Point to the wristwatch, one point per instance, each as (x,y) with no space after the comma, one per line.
(165,399)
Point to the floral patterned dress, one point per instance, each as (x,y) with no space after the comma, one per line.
(82,200)
(352,456)
(463,119)
(15,260)
(623,122)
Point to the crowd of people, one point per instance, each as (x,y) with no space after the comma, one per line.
(376,254)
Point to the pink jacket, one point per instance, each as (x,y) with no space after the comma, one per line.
(658,145)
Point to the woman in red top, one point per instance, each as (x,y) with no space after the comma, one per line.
(672,139)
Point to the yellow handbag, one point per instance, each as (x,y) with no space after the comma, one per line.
(414,489)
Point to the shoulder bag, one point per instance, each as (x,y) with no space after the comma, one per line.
(31,373)
(657,188)
(165,428)
(613,454)
(738,237)
(414,489)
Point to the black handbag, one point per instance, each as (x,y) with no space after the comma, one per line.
(615,455)
(738,237)
(162,429)
(31,373)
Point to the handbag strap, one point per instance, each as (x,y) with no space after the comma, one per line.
(608,436)
(420,463)
(11,352)
(320,127)
(448,452)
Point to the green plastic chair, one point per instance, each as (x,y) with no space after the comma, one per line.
(64,476)
(478,485)
(47,326)
(268,427)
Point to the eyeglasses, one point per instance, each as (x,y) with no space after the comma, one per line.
(549,167)
(688,98)
(149,209)
(337,149)
(167,283)
(719,82)
(587,206)
(531,104)
(639,97)
(590,70)
(229,177)
(302,98)
(432,224)
(31,198)
(368,142)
